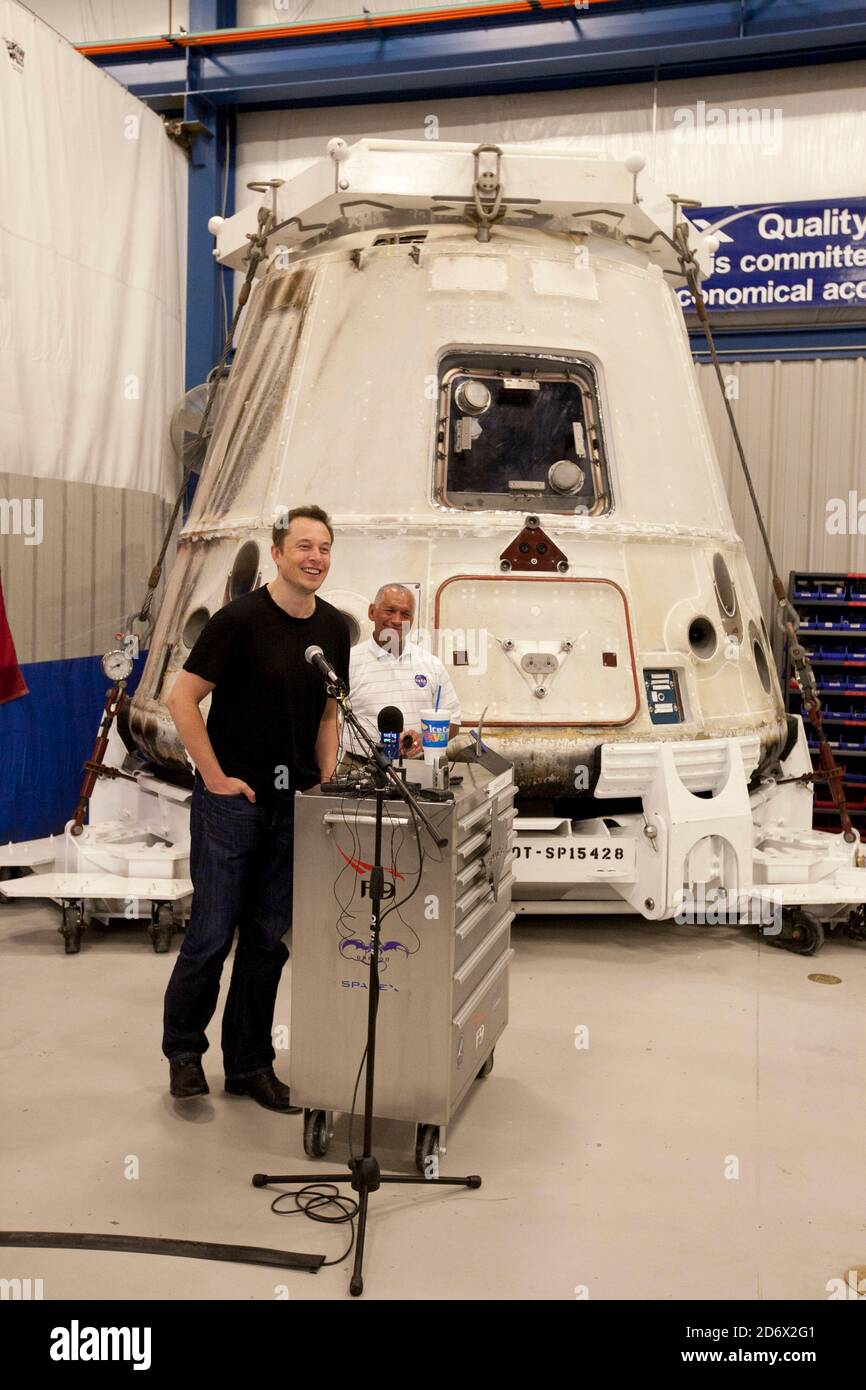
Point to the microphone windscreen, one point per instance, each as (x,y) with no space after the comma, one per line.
(390,720)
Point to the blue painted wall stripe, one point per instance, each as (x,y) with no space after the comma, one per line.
(44,739)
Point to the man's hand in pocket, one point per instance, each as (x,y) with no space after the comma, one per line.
(232,786)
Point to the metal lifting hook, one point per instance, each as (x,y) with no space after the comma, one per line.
(487,190)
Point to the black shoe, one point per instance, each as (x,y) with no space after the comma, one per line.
(187,1077)
(266,1089)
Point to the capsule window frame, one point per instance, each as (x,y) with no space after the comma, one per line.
(494,362)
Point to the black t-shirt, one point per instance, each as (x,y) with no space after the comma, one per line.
(267,701)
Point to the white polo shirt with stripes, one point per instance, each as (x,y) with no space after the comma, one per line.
(377,678)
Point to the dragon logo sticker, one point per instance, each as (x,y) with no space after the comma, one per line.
(353,948)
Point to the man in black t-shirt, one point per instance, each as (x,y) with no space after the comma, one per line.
(271,731)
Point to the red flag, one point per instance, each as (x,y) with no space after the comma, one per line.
(12,683)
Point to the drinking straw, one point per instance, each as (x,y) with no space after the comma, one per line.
(438,693)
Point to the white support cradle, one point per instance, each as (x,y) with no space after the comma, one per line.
(756,847)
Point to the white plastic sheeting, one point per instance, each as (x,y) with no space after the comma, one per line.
(97,21)
(94,21)
(92,270)
(805,142)
(257,12)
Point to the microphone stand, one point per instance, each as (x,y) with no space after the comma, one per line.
(365,1175)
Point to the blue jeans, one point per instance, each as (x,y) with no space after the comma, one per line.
(241,869)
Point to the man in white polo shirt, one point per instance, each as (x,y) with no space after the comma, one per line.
(388,669)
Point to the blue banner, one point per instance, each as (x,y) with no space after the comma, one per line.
(778,256)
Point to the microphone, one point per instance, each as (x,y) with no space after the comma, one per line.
(316,657)
(390,722)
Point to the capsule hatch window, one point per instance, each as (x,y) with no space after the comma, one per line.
(518,433)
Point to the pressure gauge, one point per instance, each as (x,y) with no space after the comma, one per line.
(116,665)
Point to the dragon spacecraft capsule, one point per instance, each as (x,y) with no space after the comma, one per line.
(474,359)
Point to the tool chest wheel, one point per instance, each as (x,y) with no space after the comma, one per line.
(317,1133)
(426,1147)
(486,1068)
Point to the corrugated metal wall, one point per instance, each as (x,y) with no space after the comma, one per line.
(803,426)
(66,596)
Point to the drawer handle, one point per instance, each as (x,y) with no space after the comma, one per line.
(471,963)
(477,890)
(466,875)
(475,816)
(472,844)
(332,819)
(477,914)
(459,1020)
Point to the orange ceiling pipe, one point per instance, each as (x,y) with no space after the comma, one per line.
(329,26)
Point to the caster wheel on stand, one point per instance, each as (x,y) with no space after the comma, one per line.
(802,933)
(427,1149)
(161,927)
(855,927)
(72,927)
(317,1133)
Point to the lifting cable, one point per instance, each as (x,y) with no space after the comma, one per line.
(789,618)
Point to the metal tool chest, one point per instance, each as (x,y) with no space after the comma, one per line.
(444,953)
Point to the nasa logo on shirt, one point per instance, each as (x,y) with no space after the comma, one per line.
(421,680)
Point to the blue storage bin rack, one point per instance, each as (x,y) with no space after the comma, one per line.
(834,604)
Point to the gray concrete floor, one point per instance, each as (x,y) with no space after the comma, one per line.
(604,1167)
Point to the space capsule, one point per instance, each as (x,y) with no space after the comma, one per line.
(474,360)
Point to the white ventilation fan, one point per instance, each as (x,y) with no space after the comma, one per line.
(185,424)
